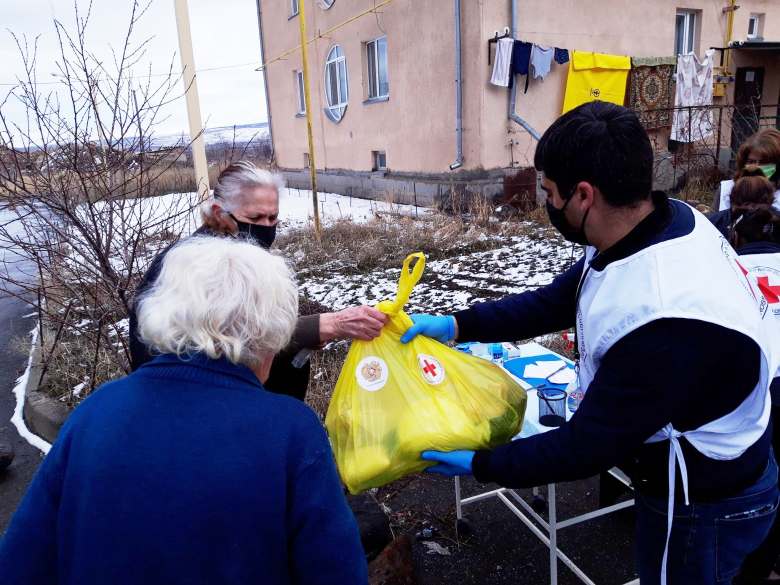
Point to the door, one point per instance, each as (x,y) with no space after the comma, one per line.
(748,89)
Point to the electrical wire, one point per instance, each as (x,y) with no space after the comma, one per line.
(320,35)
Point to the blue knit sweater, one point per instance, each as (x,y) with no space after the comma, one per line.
(186,472)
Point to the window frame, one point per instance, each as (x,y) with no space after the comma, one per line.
(326,4)
(300,93)
(336,111)
(375,166)
(690,27)
(372,49)
(756,18)
(295,8)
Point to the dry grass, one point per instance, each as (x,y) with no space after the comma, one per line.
(347,247)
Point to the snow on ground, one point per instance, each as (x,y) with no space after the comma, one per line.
(296,209)
(455,283)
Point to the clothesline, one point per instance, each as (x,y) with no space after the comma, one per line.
(664,91)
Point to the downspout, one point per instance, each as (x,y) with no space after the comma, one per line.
(265,78)
(458,93)
(513,91)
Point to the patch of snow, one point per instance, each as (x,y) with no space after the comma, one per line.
(18,417)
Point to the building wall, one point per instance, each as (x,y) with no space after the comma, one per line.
(416,126)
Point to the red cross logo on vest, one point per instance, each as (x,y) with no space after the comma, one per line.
(431,369)
(771,292)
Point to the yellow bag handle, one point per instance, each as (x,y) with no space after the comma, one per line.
(407,282)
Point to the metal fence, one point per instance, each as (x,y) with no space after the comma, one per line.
(709,137)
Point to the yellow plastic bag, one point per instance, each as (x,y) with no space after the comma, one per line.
(393,401)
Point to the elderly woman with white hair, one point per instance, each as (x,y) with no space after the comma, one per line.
(188,470)
(245,205)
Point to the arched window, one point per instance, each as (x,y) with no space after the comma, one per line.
(336,84)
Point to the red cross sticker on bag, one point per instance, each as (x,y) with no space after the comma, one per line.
(431,369)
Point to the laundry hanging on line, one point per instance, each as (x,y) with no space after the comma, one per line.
(694,90)
(526,59)
(541,61)
(651,90)
(596,76)
(503,62)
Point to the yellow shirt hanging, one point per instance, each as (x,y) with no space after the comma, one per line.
(596,76)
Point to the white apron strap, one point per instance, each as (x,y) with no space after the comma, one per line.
(675,458)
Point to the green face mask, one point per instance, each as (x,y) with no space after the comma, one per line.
(768,170)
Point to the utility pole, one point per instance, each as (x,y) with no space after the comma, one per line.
(193,102)
(307,97)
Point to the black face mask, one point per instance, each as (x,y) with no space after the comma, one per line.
(559,222)
(264,235)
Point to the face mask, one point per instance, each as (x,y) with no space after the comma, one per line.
(768,170)
(560,223)
(262,234)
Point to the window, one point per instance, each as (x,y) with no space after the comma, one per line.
(685,32)
(326,4)
(293,8)
(306,163)
(301,97)
(376,53)
(755,26)
(380,160)
(336,84)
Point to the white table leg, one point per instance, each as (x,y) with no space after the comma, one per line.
(552,520)
(458,505)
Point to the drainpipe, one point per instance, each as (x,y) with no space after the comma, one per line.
(265,78)
(458,94)
(513,91)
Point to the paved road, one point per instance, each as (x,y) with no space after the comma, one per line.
(13,482)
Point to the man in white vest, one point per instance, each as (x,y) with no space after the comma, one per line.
(672,355)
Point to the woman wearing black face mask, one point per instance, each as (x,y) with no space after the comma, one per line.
(245,204)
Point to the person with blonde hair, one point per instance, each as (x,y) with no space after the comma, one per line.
(188,470)
(245,205)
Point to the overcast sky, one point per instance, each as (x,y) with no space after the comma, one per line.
(224,35)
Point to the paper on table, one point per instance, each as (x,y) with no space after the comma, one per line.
(543,369)
(564,376)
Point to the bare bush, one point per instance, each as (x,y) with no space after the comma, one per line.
(76,180)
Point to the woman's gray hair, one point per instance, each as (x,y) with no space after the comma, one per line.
(221,297)
(232,181)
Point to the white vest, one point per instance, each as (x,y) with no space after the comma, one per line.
(695,276)
(764,274)
(726,187)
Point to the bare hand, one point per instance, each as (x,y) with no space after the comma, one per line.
(362,323)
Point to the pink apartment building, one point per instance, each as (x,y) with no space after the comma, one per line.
(402,101)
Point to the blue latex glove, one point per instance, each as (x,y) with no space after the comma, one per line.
(450,463)
(441,328)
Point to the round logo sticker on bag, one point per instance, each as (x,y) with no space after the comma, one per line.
(431,369)
(371,373)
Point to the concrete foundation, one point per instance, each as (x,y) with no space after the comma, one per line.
(425,190)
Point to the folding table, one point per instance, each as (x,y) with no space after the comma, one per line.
(544,530)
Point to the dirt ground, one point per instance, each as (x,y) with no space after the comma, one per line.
(495,547)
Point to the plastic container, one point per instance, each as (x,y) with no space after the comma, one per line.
(552,406)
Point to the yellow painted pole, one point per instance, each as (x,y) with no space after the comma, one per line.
(193,102)
(307,97)
(732,8)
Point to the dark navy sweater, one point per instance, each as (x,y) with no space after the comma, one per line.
(682,371)
(186,473)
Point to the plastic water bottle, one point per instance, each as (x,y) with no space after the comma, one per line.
(574,395)
(498,352)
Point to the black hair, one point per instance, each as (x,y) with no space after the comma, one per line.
(757,225)
(603,144)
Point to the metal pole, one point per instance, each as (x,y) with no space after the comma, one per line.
(193,103)
(307,97)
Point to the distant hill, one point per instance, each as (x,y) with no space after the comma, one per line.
(240,134)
